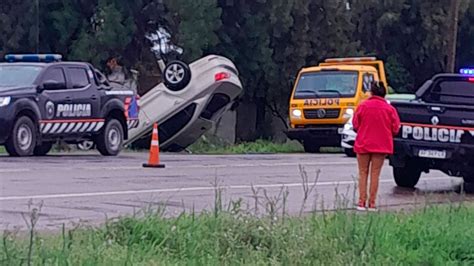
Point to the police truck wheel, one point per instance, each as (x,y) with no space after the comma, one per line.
(176,75)
(43,149)
(407,176)
(110,140)
(311,147)
(22,140)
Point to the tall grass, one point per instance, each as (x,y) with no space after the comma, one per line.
(2,150)
(433,236)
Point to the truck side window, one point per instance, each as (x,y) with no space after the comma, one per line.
(79,77)
(367,79)
(55,75)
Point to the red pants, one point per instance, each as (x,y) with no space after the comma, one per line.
(374,163)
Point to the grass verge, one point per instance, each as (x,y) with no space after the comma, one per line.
(260,146)
(2,150)
(432,236)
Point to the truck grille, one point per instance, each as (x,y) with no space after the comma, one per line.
(321,113)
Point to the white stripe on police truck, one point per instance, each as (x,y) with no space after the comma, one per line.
(70,127)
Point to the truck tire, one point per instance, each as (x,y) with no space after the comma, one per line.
(407,176)
(110,140)
(43,149)
(350,153)
(22,140)
(311,147)
(176,75)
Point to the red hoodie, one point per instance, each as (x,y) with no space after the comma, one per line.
(376,122)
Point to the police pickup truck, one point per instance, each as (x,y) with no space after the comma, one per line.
(43,99)
(437,130)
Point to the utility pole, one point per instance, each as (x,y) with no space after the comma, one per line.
(453,16)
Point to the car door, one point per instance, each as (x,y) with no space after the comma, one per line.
(54,92)
(84,108)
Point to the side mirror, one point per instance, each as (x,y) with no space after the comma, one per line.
(53,85)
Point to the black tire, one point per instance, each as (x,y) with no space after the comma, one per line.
(350,153)
(22,140)
(311,147)
(43,149)
(176,75)
(407,176)
(110,140)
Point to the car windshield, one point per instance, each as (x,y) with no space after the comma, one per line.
(18,75)
(327,84)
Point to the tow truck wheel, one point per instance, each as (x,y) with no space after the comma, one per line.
(177,75)
(350,152)
(311,147)
(407,176)
(43,149)
(22,140)
(110,140)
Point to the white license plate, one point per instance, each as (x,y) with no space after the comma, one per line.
(339,130)
(434,154)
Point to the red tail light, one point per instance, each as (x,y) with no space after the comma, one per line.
(471,80)
(221,76)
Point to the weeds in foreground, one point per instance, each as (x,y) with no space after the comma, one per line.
(237,234)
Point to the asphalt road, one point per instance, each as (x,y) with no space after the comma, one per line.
(89,188)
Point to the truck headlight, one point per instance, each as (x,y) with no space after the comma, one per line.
(297,113)
(4,101)
(349,111)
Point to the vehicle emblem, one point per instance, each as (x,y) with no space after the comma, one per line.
(435,120)
(321,113)
(49,110)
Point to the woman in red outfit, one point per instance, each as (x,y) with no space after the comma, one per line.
(376,122)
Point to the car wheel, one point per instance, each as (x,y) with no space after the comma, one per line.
(311,147)
(22,140)
(350,153)
(110,140)
(43,149)
(86,145)
(407,176)
(177,75)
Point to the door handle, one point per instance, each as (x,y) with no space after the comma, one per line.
(437,109)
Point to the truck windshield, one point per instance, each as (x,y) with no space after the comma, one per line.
(327,84)
(18,75)
(453,91)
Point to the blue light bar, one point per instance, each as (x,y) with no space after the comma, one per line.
(467,71)
(45,58)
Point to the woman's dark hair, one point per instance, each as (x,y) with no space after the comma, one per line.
(377,88)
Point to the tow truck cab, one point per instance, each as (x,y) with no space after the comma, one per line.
(324,97)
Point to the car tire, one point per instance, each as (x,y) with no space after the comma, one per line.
(350,153)
(22,140)
(408,176)
(311,147)
(43,149)
(110,140)
(176,75)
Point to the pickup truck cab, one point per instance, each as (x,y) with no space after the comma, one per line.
(325,96)
(437,130)
(43,99)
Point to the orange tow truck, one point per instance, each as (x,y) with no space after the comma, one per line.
(324,98)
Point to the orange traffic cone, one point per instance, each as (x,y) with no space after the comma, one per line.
(154,160)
